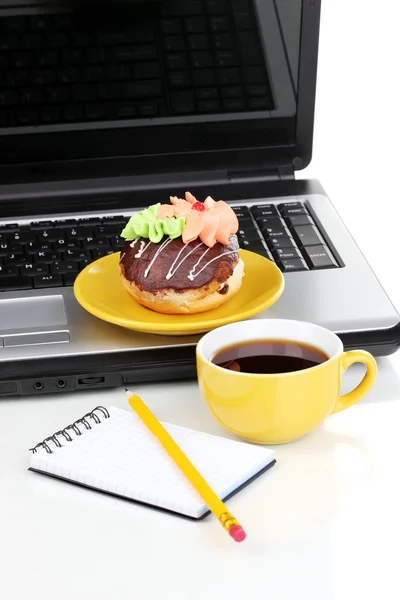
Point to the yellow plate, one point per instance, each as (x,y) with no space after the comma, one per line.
(99,289)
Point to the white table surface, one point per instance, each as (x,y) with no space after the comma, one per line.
(324,523)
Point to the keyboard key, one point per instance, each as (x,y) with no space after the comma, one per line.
(69,278)
(292,265)
(47,58)
(40,22)
(50,114)
(234,104)
(67,223)
(295,221)
(100,252)
(206,93)
(32,269)
(219,24)
(176,61)
(217,7)
(257,90)
(34,247)
(46,256)
(308,235)
(85,221)
(28,116)
(319,257)
(125,110)
(78,233)
(62,244)
(48,235)
(181,79)
(255,246)
(8,284)
(65,267)
(260,104)
(266,210)
(21,60)
(48,280)
(250,234)
(143,89)
(22,237)
(275,232)
(287,254)
(19,78)
(77,255)
(72,113)
(222,41)
(254,75)
(271,222)
(229,76)
(148,109)
(281,242)
(174,43)
(289,209)
(204,78)
(232,92)
(42,77)
(201,60)
(9,227)
(198,42)
(17,259)
(8,270)
(8,98)
(146,70)
(196,25)
(117,219)
(119,72)
(208,106)
(171,26)
(242,213)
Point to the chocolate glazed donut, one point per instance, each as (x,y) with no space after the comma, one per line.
(177,278)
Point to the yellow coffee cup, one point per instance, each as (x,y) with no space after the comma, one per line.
(277,408)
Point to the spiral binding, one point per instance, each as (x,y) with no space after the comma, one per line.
(87,422)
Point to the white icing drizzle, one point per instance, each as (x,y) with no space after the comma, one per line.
(142,249)
(174,269)
(159,250)
(132,244)
(191,273)
(192,277)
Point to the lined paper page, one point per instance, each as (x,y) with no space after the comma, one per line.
(121,456)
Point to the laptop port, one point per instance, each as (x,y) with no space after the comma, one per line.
(38,385)
(61,383)
(91,380)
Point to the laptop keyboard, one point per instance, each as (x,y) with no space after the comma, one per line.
(195,57)
(48,254)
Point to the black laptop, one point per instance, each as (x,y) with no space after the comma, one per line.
(107,107)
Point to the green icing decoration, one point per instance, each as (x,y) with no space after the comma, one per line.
(144,224)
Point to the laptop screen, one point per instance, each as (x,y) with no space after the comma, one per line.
(147,78)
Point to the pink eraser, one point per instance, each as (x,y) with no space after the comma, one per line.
(237,533)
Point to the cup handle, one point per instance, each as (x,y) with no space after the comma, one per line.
(348,359)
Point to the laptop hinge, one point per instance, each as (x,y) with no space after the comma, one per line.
(260,176)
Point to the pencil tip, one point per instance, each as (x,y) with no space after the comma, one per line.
(126,389)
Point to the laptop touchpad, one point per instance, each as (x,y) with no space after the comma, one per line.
(25,321)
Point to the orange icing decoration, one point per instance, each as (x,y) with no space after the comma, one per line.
(216,223)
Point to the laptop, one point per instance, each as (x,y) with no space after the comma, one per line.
(108,107)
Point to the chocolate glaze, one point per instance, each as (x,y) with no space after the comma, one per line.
(218,271)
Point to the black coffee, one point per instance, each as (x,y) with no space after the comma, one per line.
(269,356)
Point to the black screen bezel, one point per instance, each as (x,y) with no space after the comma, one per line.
(266,144)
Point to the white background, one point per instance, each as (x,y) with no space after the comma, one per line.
(324,524)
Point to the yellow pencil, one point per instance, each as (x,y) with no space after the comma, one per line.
(216,506)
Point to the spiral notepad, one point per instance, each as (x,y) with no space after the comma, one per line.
(112,451)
